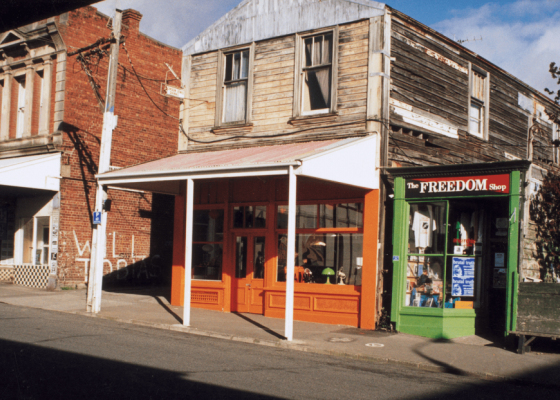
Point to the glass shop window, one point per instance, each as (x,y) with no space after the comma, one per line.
(343,215)
(249,217)
(332,258)
(449,274)
(426,255)
(207,249)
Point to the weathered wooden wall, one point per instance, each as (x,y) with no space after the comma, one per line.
(428,73)
(437,87)
(539,308)
(273,90)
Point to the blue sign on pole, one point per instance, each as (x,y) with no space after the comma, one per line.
(97,217)
(462,282)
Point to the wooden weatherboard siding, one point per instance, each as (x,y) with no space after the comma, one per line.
(272,117)
(429,73)
(538,308)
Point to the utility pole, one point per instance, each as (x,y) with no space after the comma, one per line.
(99,237)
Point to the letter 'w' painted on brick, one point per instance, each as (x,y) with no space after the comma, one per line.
(81,251)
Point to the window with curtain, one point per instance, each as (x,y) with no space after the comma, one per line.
(317,73)
(236,77)
(478,104)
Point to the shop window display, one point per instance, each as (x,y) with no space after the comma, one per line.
(447,245)
(207,249)
(324,258)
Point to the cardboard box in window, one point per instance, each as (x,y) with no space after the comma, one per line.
(464,304)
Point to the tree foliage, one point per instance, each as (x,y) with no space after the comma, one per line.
(554,70)
(545,213)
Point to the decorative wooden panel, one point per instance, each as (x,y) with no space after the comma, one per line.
(333,304)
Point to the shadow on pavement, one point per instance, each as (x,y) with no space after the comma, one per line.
(264,328)
(33,372)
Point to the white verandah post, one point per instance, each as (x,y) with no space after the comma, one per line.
(188,252)
(289,328)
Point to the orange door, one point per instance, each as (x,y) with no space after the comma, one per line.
(248,293)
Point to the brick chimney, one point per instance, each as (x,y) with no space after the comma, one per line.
(131,18)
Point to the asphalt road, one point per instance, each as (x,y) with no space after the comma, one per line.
(52,355)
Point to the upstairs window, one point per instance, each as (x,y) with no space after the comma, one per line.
(478,103)
(235,81)
(317,71)
(316,76)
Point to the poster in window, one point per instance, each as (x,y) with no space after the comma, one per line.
(462,283)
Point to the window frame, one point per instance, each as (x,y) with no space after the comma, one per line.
(300,69)
(482,104)
(221,86)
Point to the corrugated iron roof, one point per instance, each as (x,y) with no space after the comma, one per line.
(245,157)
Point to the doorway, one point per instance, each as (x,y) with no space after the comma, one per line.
(248,282)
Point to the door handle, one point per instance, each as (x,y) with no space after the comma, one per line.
(248,284)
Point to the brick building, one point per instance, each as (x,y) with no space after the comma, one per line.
(53,78)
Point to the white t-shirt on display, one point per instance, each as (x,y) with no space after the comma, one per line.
(423,227)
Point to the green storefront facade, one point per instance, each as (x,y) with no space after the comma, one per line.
(456,248)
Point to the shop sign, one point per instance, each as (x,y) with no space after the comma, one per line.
(462,282)
(457,186)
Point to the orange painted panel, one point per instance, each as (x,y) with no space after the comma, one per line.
(464,304)
(368,311)
(336,304)
(178,268)
(205,297)
(257,297)
(314,316)
(300,302)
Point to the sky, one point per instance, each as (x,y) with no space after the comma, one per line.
(520,36)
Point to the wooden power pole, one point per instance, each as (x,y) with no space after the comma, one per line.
(99,238)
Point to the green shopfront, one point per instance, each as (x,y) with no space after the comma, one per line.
(455,248)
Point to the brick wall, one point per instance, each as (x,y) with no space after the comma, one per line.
(143,134)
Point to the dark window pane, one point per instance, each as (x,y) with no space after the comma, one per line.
(317,89)
(238,217)
(249,217)
(229,64)
(259,257)
(282,217)
(207,261)
(308,51)
(260,217)
(241,257)
(208,225)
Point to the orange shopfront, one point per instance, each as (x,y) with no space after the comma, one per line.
(234,242)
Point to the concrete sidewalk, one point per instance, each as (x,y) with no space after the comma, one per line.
(472,356)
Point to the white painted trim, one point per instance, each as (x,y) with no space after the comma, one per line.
(291,247)
(188,252)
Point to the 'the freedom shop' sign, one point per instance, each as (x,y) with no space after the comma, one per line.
(457,186)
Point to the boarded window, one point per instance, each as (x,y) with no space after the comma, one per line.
(235,86)
(477,86)
(478,104)
(317,71)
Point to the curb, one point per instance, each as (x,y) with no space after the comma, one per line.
(302,346)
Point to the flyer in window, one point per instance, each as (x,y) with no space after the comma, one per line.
(462,283)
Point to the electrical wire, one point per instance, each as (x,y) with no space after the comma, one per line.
(261,136)
(142,85)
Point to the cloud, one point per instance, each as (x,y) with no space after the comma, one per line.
(173,22)
(521,37)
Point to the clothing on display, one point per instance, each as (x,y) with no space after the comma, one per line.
(423,226)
